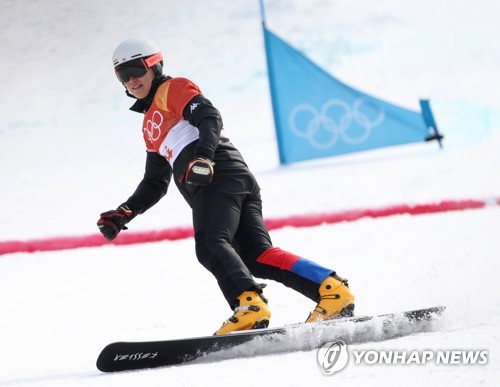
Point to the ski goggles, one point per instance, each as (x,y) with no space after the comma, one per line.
(125,73)
(136,68)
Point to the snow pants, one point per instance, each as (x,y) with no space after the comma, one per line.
(233,243)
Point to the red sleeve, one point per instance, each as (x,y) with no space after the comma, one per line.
(180,92)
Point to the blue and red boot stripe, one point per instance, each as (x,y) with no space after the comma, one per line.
(295,264)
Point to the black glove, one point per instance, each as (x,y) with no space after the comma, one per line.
(200,171)
(112,222)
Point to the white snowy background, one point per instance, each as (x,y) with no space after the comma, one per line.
(70,149)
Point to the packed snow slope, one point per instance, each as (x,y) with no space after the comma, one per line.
(69,149)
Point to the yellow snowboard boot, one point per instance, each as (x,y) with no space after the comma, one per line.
(251,312)
(335,300)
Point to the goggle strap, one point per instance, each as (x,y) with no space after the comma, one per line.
(152,60)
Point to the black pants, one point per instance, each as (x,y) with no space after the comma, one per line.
(232,241)
(230,236)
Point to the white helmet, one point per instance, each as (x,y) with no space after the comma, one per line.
(137,48)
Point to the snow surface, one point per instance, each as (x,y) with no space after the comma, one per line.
(69,149)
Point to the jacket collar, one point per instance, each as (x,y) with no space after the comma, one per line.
(143,105)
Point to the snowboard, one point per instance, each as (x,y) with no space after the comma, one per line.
(127,356)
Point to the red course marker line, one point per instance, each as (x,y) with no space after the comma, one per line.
(172,234)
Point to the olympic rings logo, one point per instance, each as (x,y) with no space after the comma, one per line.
(323,128)
(153,126)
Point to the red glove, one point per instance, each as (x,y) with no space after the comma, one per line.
(200,171)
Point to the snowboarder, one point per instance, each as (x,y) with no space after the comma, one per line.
(182,132)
